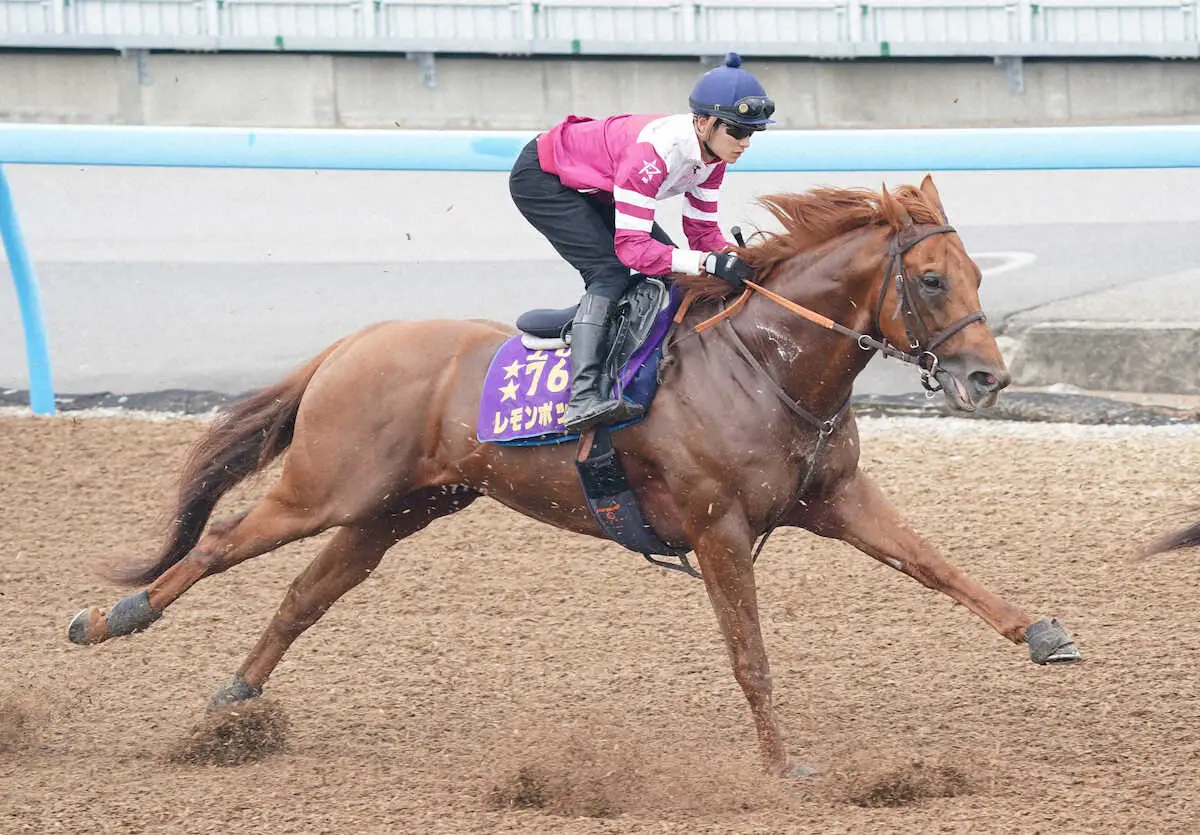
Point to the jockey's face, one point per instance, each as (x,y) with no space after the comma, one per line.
(723,145)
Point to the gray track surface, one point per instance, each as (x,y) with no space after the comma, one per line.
(223,280)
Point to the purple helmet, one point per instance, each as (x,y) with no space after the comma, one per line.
(733,95)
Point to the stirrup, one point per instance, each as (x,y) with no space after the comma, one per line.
(606,412)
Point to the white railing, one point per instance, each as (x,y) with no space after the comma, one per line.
(776,21)
(29,17)
(958,21)
(282,19)
(1132,21)
(137,17)
(627,21)
(828,28)
(482,20)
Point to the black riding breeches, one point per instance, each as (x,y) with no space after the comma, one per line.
(581,228)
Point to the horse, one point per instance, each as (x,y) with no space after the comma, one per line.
(751,429)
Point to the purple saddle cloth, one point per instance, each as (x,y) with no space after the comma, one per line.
(525,391)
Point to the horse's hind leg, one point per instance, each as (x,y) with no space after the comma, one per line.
(861,515)
(345,562)
(275,521)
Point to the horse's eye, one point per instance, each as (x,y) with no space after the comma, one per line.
(933,281)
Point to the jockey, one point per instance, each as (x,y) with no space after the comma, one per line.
(592,186)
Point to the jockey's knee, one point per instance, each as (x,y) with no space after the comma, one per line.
(608,284)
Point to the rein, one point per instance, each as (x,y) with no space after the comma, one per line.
(922,345)
(921,342)
(824,428)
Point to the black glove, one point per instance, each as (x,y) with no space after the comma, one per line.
(728,266)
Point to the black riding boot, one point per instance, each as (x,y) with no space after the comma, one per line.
(590,405)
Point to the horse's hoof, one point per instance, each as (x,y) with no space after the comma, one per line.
(1049,643)
(87,627)
(235,691)
(792,770)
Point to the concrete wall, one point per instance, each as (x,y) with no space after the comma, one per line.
(321,90)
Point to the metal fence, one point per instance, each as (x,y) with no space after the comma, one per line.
(821,28)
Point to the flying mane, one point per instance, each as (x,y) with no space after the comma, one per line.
(809,219)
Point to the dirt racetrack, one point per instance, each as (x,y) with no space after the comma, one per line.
(496,675)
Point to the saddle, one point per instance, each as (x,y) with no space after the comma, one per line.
(631,325)
(527,386)
(528,383)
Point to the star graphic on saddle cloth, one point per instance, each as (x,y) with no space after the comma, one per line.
(512,369)
(508,392)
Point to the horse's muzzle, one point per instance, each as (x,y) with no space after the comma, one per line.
(971,387)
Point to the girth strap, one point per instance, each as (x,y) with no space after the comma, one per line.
(614,505)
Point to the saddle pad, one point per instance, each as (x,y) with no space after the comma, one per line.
(525,391)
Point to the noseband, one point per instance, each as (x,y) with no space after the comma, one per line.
(921,343)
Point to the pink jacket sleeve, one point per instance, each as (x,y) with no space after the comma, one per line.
(638,178)
(639,174)
(700,214)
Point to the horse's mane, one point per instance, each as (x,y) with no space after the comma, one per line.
(811,218)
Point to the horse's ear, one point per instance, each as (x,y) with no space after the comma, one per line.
(930,192)
(893,212)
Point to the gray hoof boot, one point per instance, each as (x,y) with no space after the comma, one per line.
(235,691)
(131,614)
(1049,643)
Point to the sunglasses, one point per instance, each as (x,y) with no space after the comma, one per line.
(737,131)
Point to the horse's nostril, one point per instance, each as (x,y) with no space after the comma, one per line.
(986,382)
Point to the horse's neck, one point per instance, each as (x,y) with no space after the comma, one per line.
(838,280)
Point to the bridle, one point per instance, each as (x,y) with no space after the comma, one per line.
(921,343)
(922,347)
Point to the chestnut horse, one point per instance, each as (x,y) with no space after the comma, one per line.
(750,429)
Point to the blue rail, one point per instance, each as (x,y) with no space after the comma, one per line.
(29,299)
(970,149)
(958,149)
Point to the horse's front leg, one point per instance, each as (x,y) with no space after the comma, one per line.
(723,551)
(861,515)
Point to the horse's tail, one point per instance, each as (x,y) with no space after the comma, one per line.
(244,439)
(1185,538)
